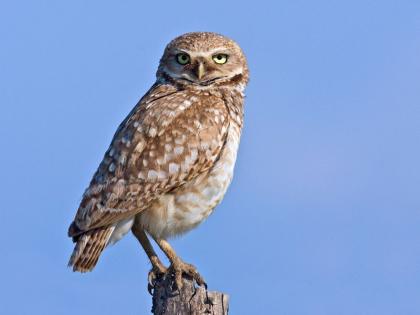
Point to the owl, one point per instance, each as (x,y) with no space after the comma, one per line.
(171,160)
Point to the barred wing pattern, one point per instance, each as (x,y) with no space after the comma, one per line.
(169,138)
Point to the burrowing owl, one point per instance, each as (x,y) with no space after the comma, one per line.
(171,160)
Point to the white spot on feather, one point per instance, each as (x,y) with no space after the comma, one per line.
(178,150)
(162,175)
(140,146)
(152,174)
(173,168)
(152,132)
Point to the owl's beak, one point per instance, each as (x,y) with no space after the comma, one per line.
(200,70)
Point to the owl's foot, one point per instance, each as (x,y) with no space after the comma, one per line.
(158,271)
(179,268)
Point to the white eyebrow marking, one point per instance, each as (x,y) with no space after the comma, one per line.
(210,52)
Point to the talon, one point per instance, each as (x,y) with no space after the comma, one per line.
(150,289)
(180,268)
(151,280)
(178,279)
(155,273)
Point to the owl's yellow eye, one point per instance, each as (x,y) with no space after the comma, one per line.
(182,58)
(220,58)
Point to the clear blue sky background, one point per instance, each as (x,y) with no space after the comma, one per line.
(323,216)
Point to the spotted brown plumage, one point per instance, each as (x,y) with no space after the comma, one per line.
(171,160)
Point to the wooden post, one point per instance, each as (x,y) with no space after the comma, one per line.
(190,300)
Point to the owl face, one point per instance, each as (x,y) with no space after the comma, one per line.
(203,59)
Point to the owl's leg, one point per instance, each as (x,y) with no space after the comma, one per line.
(158,268)
(178,267)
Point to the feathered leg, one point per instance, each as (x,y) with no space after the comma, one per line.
(158,269)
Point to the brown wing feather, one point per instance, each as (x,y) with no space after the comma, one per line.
(88,249)
(169,138)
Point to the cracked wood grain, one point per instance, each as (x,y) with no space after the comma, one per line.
(190,300)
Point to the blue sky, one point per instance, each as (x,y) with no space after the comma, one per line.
(323,215)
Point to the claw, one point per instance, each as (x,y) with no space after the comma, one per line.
(180,268)
(155,273)
(150,289)
(151,280)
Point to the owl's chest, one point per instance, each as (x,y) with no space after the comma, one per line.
(179,211)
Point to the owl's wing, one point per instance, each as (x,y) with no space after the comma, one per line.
(169,138)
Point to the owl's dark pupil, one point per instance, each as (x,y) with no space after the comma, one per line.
(219,57)
(183,58)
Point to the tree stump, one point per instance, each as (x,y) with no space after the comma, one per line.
(191,300)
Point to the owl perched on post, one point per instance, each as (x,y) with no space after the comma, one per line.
(172,158)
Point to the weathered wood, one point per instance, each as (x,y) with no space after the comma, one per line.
(191,300)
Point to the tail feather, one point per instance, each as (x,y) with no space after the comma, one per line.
(89,247)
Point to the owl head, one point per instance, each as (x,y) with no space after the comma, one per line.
(203,59)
